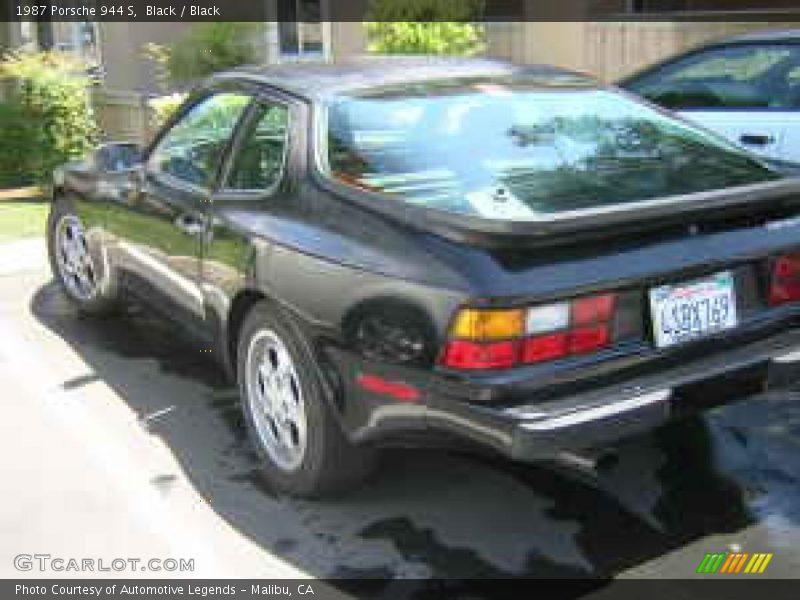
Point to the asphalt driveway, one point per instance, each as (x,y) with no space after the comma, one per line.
(150,433)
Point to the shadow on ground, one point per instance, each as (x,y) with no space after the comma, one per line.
(439,514)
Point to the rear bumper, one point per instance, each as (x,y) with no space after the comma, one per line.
(591,426)
(594,419)
(607,415)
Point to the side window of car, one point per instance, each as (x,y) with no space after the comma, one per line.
(259,161)
(739,77)
(793,82)
(191,150)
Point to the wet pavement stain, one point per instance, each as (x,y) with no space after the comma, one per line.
(421,545)
(736,467)
(378,584)
(353,573)
(132,332)
(698,499)
(610,537)
(256,479)
(693,501)
(284,545)
(225,402)
(374,583)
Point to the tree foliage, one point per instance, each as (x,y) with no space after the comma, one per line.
(442,27)
(206,49)
(48,118)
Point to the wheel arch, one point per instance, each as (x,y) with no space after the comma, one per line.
(241,305)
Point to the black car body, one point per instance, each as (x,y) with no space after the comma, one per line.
(413,323)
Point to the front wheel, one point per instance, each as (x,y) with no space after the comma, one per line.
(303,450)
(79,269)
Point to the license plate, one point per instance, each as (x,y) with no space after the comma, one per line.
(694,309)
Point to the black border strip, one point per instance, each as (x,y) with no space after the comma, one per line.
(400,10)
(710,587)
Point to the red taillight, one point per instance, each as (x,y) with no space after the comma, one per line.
(782,292)
(785,284)
(589,339)
(544,347)
(462,354)
(549,332)
(787,267)
(593,309)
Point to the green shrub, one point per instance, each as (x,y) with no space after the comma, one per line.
(206,49)
(50,115)
(16,147)
(440,27)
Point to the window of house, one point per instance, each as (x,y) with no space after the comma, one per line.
(259,162)
(77,37)
(192,149)
(300,29)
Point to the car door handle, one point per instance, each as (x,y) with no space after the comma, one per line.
(191,224)
(756,139)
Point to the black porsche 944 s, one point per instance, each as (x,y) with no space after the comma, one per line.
(418,250)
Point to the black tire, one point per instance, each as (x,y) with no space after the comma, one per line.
(106,299)
(330,464)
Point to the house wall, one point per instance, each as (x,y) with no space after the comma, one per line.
(612,50)
(606,50)
(121,104)
(122,45)
(347,39)
(123,116)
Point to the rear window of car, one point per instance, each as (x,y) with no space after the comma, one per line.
(514,149)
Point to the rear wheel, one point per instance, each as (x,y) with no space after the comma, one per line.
(78,268)
(303,450)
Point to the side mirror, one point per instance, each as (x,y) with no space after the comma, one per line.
(117,156)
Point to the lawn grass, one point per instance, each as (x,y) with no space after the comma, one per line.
(21,219)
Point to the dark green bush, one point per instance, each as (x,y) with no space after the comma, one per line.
(49,119)
(16,135)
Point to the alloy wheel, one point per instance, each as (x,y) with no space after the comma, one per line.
(275,400)
(75,264)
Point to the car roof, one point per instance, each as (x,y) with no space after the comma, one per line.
(764,35)
(316,79)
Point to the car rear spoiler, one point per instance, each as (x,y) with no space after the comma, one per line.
(576,224)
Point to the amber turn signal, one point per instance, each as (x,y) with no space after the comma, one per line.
(488,324)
